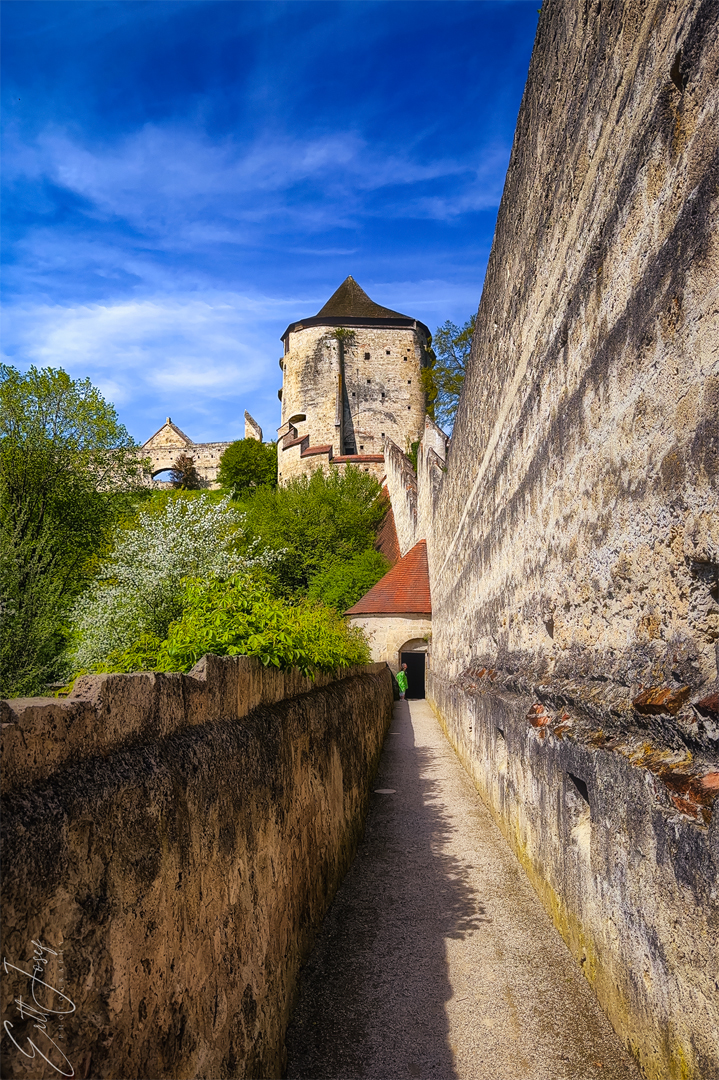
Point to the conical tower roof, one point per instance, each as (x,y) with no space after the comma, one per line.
(351,306)
(351,301)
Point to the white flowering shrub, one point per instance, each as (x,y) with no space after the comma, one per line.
(138,589)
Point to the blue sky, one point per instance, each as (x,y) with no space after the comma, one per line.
(182,180)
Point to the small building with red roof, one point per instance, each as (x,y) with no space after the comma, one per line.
(396,613)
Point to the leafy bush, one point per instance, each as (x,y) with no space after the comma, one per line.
(69,471)
(314,523)
(139,588)
(342,584)
(248,464)
(239,616)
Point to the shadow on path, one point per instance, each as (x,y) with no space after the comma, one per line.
(373,993)
(436,959)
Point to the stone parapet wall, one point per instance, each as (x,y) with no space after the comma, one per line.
(629,880)
(176,840)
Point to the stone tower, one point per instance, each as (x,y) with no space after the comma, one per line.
(351,379)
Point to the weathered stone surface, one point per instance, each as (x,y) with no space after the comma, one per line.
(183,865)
(252,428)
(574,538)
(579,509)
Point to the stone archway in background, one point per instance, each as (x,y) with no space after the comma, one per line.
(414,654)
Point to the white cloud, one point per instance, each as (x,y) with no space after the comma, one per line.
(204,356)
(173,182)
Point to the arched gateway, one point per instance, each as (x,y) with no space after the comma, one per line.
(166,445)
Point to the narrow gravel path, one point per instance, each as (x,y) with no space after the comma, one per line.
(436,958)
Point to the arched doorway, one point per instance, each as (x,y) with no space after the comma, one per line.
(414,654)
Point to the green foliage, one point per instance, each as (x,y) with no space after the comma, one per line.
(313,523)
(342,584)
(452,345)
(68,472)
(184,475)
(248,464)
(429,382)
(413,452)
(239,616)
(139,587)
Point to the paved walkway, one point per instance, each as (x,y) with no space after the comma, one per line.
(436,958)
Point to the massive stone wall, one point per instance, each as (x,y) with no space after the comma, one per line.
(579,511)
(171,844)
(574,544)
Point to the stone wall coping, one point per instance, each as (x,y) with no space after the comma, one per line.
(110,712)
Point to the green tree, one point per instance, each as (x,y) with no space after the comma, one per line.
(139,586)
(184,475)
(314,522)
(452,346)
(342,583)
(68,472)
(248,464)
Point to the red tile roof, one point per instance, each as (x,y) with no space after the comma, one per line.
(404,590)
(360,457)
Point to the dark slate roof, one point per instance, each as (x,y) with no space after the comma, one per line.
(351,301)
(351,306)
(404,590)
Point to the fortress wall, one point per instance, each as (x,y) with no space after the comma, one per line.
(578,516)
(401,481)
(574,547)
(206,457)
(176,841)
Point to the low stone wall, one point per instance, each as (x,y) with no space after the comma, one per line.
(171,845)
(620,842)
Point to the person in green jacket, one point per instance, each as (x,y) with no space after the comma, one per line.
(402,681)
